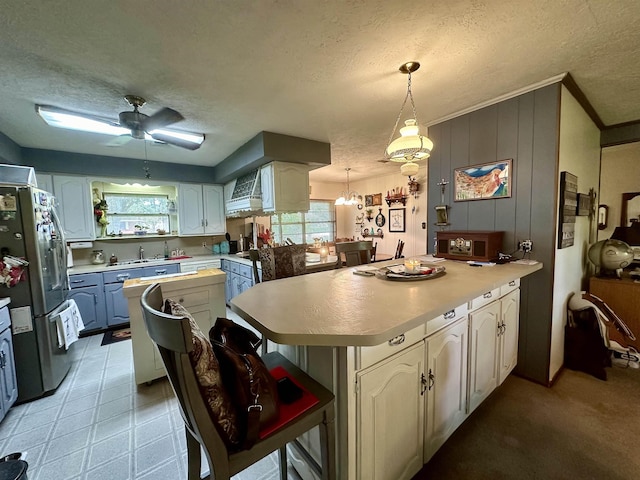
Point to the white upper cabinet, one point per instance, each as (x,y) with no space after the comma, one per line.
(45,182)
(201,209)
(74,206)
(285,187)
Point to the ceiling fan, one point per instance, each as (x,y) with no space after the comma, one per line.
(130,125)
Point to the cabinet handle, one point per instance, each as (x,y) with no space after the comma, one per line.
(161,272)
(95,299)
(432,380)
(3,360)
(423,384)
(180,300)
(450,314)
(487,295)
(395,341)
(206,223)
(503,328)
(123,276)
(77,281)
(202,222)
(512,283)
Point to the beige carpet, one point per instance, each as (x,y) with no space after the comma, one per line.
(581,428)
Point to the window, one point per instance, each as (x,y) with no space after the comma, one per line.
(125,211)
(318,222)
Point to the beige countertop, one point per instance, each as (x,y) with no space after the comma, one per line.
(135,286)
(151,262)
(338,308)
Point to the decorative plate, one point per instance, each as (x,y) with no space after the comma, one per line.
(397,273)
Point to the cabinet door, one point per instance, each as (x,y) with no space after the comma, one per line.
(243,284)
(285,187)
(190,209)
(447,384)
(390,417)
(266,186)
(484,333)
(116,303)
(75,208)
(45,182)
(8,382)
(508,358)
(213,198)
(90,301)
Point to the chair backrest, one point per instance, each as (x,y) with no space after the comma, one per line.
(282,262)
(254,256)
(172,336)
(355,253)
(399,249)
(373,252)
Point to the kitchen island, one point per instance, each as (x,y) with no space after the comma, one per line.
(407,360)
(201,292)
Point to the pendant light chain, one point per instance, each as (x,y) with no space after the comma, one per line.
(413,108)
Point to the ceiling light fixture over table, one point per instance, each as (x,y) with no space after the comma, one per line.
(348,197)
(410,145)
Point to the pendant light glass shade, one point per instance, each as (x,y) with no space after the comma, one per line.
(410,145)
(409,169)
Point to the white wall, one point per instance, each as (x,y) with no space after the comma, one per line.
(620,173)
(415,237)
(579,154)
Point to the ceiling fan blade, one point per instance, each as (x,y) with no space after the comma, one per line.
(178,142)
(161,119)
(119,141)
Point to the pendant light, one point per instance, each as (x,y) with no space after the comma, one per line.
(347,197)
(410,145)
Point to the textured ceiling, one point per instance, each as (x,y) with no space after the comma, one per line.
(323,70)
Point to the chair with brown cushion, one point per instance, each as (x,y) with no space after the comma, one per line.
(203,401)
(354,253)
(282,262)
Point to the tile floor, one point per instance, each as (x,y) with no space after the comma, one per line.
(100,425)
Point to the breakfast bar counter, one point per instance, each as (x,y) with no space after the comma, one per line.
(338,308)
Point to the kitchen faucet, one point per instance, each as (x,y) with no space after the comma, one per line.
(141,253)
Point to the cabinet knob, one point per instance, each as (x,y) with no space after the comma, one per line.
(180,300)
(450,314)
(512,283)
(487,295)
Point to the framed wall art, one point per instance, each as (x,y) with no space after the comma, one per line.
(396,220)
(377,199)
(368,200)
(482,182)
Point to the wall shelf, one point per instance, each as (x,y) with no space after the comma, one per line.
(375,235)
(396,199)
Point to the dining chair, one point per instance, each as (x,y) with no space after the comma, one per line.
(399,249)
(182,345)
(355,253)
(373,252)
(282,262)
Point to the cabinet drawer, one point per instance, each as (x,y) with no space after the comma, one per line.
(190,297)
(245,271)
(119,276)
(485,298)
(509,287)
(5,319)
(445,319)
(234,267)
(85,280)
(195,266)
(160,270)
(371,355)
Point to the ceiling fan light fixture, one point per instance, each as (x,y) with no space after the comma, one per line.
(410,145)
(60,118)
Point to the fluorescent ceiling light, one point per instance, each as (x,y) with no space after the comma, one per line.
(57,117)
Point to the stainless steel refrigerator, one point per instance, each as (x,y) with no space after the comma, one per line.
(30,229)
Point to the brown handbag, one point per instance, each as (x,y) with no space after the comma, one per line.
(245,376)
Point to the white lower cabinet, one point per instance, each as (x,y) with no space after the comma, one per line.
(446,379)
(390,420)
(413,392)
(493,346)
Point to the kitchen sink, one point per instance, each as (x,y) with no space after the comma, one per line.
(128,262)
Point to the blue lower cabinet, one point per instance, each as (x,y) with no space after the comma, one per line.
(87,291)
(90,301)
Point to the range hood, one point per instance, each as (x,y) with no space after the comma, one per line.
(246,199)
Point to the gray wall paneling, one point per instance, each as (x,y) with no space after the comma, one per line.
(525,129)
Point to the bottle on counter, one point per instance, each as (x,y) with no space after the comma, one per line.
(166,250)
(113,259)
